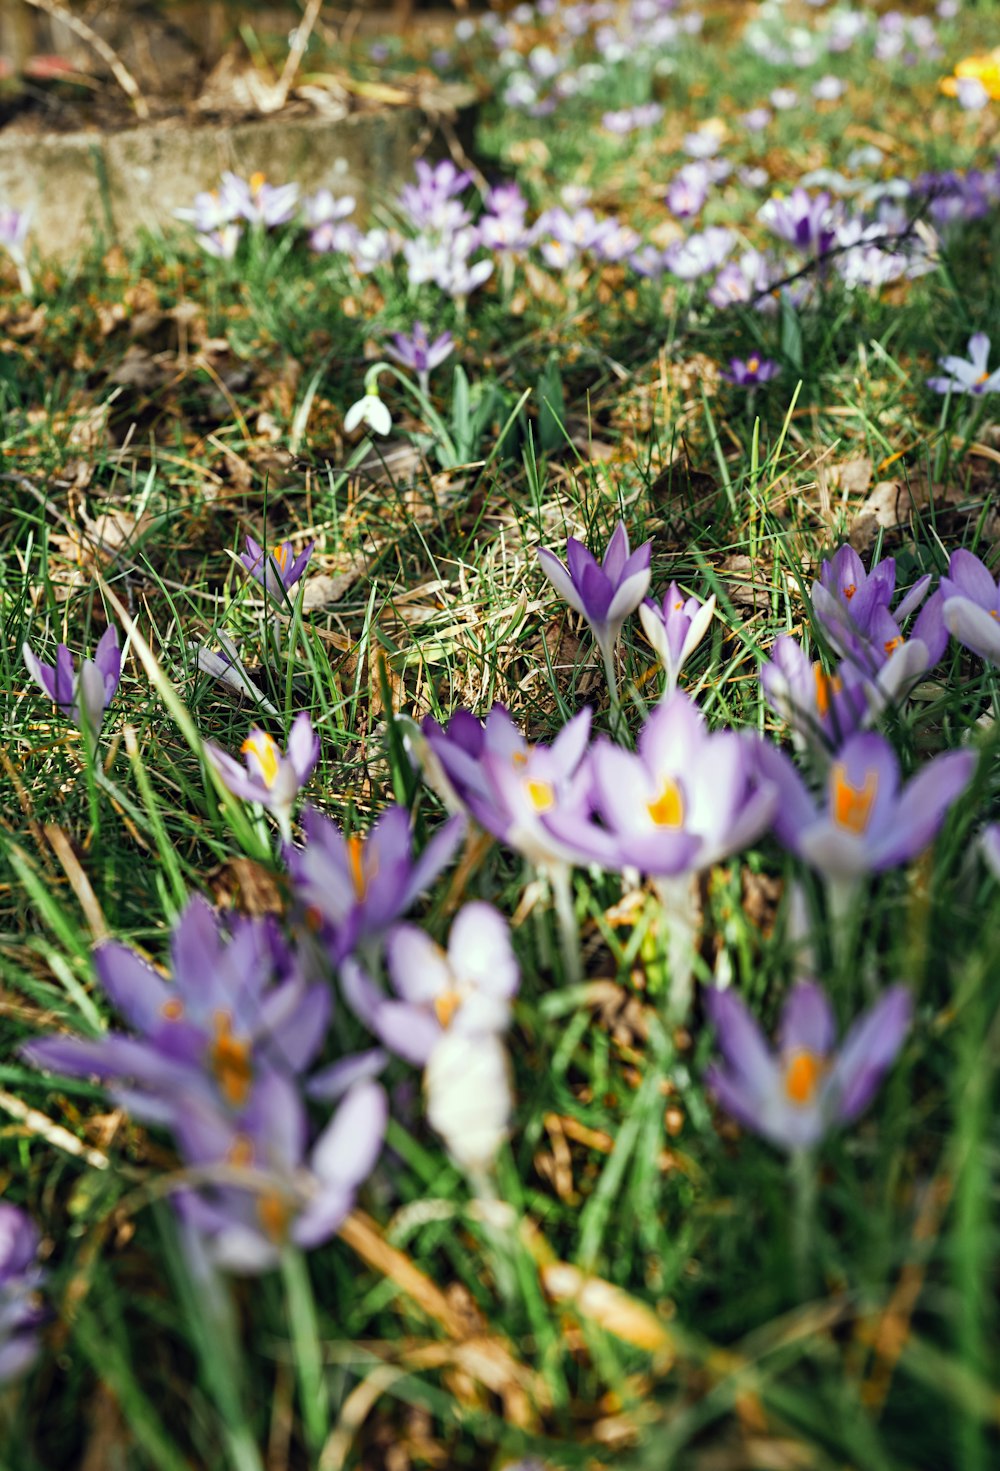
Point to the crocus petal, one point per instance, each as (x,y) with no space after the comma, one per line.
(807,1022)
(303,747)
(560,580)
(348,1147)
(617,553)
(868,1051)
(480,951)
(409,1031)
(741,1042)
(132,985)
(922,807)
(419,968)
(973,627)
(971,578)
(334,1081)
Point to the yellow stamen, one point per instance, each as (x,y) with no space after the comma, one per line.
(172,1010)
(268,754)
(753,364)
(803,1074)
(981,379)
(851,805)
(850,590)
(445,1007)
(356,858)
(257,182)
(281,555)
(541,795)
(667,807)
(229,1059)
(827,685)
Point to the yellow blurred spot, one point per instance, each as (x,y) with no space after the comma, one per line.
(983,68)
(229,1059)
(356,859)
(541,795)
(273,1214)
(172,1010)
(445,1007)
(667,808)
(827,685)
(257,182)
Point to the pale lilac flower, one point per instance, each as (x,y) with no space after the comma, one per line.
(989,846)
(82,696)
(510,786)
(324,215)
(784,98)
(374,248)
(687,191)
(603,593)
(743,280)
(675,628)
(756,120)
(971,374)
(465,989)
(699,253)
(618,243)
(257,201)
(866,822)
(267,1190)
(269,778)
(972,94)
(971,605)
(683,801)
(278,570)
(21,1279)
(703,143)
(211,212)
(222,243)
(750,373)
(619,121)
(796,1094)
(354,888)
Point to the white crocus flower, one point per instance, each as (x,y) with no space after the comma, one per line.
(467,1086)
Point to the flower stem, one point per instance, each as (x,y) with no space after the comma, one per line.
(561,881)
(803,1173)
(680,910)
(306,1347)
(611,674)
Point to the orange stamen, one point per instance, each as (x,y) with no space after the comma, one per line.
(355,857)
(229,1059)
(827,685)
(851,805)
(850,590)
(803,1074)
(892,644)
(445,1007)
(172,1010)
(273,1213)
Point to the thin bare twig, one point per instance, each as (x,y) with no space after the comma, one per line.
(119,70)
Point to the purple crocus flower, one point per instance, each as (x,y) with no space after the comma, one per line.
(822,709)
(508,786)
(866,821)
(796,1094)
(418,353)
(971,605)
(237,1002)
(278,1193)
(354,888)
(84,697)
(281,569)
(687,191)
(675,628)
(603,593)
(751,372)
(268,777)
(743,280)
(324,215)
(971,374)
(684,800)
(465,989)
(20,1281)
(804,220)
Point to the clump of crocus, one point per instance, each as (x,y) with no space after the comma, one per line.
(278,569)
(854,608)
(968,375)
(83,696)
(795,1094)
(971,605)
(675,628)
(21,1278)
(236,1002)
(270,778)
(604,593)
(822,709)
(353,888)
(866,821)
